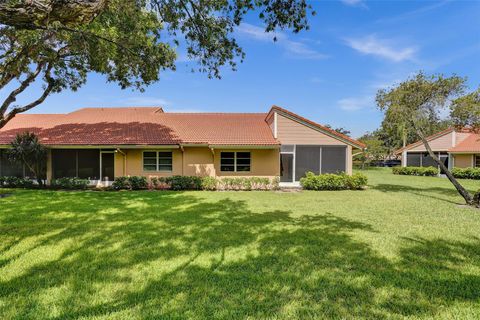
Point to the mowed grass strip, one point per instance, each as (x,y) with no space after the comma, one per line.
(403,248)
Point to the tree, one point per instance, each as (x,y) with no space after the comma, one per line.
(417,103)
(375,150)
(340,130)
(28,151)
(59,42)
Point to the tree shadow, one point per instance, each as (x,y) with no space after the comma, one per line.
(423,192)
(178,255)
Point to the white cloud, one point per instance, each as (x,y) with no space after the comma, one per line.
(355,103)
(294,49)
(352,2)
(145,101)
(381,48)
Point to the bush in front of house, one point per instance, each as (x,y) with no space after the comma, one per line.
(130,183)
(69,183)
(209,183)
(15,182)
(416,171)
(466,173)
(331,181)
(178,183)
(158,183)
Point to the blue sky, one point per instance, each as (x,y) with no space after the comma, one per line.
(329,74)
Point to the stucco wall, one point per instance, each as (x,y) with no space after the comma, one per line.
(135,164)
(198,162)
(463,160)
(264,163)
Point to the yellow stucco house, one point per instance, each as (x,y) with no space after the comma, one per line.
(100,144)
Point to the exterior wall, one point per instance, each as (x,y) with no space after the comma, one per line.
(198,162)
(463,160)
(293,132)
(135,164)
(442,143)
(264,163)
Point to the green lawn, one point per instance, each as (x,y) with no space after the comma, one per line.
(402,248)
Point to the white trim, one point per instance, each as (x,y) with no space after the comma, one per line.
(275,133)
(404,158)
(235,161)
(157,164)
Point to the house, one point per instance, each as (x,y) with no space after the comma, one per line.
(456,148)
(100,144)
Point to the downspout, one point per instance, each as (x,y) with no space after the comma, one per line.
(183,158)
(124,161)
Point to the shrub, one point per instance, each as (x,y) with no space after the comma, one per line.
(158,183)
(138,182)
(416,171)
(330,181)
(466,173)
(209,183)
(184,182)
(130,183)
(69,183)
(15,182)
(247,183)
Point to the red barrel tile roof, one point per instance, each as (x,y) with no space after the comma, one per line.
(471,144)
(142,126)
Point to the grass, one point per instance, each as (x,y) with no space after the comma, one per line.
(401,249)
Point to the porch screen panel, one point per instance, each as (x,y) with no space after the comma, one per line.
(307,158)
(334,159)
(413,159)
(9,169)
(64,163)
(428,161)
(89,164)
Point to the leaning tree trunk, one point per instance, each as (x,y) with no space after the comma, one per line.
(463,192)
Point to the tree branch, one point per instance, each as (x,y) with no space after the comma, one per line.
(23,85)
(50,85)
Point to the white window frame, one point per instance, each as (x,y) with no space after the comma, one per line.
(235,161)
(157,161)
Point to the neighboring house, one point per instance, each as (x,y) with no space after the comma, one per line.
(456,148)
(100,144)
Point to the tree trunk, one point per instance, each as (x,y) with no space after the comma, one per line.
(30,14)
(461,190)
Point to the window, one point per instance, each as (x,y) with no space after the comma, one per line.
(477,161)
(157,161)
(235,161)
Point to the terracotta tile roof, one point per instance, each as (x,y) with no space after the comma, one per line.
(470,145)
(334,133)
(142,126)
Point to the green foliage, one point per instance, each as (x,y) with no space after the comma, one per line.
(466,173)
(416,171)
(465,111)
(158,183)
(130,183)
(129,42)
(209,183)
(329,181)
(15,182)
(69,183)
(184,182)
(247,183)
(27,150)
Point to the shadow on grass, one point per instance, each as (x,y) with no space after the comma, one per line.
(423,192)
(177,255)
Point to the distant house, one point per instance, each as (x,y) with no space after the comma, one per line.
(103,143)
(456,148)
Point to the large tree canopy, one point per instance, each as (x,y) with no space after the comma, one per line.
(59,42)
(416,105)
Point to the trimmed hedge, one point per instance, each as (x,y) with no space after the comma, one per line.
(330,181)
(69,183)
(130,183)
(466,173)
(15,182)
(416,171)
(184,182)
